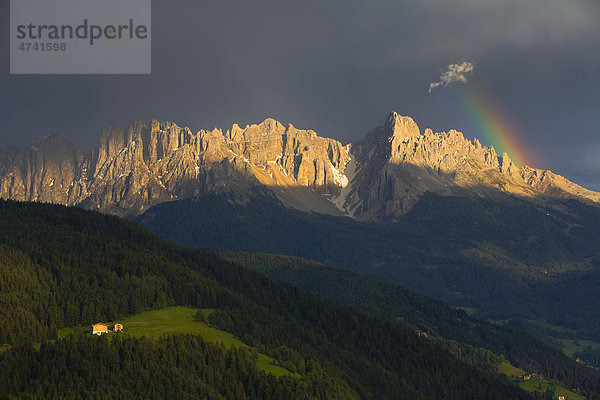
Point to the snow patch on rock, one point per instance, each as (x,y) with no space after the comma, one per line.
(341,200)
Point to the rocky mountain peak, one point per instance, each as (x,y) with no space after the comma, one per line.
(506,166)
(395,165)
(381,143)
(48,170)
(52,148)
(400,127)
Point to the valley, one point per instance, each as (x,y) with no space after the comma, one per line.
(466,252)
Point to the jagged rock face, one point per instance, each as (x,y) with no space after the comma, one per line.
(554,185)
(396,164)
(309,159)
(144,165)
(380,177)
(7,158)
(50,170)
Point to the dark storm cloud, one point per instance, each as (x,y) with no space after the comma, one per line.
(336,67)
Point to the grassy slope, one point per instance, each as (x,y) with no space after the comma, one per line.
(536,385)
(179,320)
(575,346)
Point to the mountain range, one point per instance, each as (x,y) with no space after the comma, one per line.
(379,178)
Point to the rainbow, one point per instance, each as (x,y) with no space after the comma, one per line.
(493,127)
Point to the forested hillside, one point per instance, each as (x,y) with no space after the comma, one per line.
(534,266)
(66,266)
(468,337)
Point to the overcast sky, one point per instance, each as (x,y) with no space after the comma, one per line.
(338,67)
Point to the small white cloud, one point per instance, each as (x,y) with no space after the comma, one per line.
(453,73)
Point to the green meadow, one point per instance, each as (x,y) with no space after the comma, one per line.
(179,320)
(572,346)
(535,385)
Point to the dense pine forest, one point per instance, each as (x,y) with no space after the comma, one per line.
(67,267)
(173,367)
